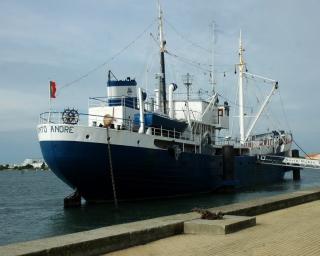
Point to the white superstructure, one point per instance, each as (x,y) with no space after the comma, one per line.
(136,117)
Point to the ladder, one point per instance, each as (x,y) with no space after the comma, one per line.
(288,161)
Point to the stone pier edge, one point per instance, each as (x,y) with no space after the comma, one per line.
(112,238)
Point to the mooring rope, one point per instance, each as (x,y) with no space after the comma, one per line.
(111,172)
(301,148)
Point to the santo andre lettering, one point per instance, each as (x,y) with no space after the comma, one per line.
(56,128)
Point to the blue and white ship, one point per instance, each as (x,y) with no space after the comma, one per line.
(139,147)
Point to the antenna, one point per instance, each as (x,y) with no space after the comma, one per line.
(187,81)
(241,67)
(161,37)
(212,72)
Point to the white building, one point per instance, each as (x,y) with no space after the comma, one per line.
(35,163)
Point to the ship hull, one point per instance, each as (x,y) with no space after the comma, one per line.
(141,173)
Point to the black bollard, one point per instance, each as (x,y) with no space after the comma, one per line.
(228,162)
(73,200)
(296,170)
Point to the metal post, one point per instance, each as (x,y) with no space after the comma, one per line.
(241,110)
(111,172)
(296,170)
(162,85)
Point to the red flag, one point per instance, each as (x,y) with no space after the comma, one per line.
(53,89)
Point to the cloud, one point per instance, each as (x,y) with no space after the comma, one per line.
(62,40)
(18,109)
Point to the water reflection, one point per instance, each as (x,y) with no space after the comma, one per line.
(94,216)
(35,199)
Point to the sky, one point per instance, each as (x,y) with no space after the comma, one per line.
(63,40)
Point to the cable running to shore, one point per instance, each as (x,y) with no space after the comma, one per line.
(108,60)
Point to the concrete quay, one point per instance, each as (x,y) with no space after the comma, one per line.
(115,238)
(229,224)
(293,231)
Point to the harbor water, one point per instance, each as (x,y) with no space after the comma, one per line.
(31,205)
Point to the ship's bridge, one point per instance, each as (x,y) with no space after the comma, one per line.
(202,111)
(121,92)
(121,103)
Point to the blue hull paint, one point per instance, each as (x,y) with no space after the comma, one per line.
(146,173)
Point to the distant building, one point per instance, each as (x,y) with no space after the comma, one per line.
(314,156)
(35,163)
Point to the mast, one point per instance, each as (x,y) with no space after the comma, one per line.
(213,82)
(162,78)
(241,70)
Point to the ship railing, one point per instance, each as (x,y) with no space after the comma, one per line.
(150,106)
(237,143)
(52,117)
(166,133)
(55,117)
(97,102)
(221,141)
(112,102)
(83,119)
(254,142)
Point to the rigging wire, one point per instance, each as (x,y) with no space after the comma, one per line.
(256,79)
(251,77)
(292,139)
(234,111)
(149,62)
(197,64)
(185,38)
(267,110)
(301,148)
(149,66)
(108,60)
(287,123)
(283,111)
(188,61)
(231,102)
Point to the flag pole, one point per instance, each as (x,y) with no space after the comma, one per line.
(49,117)
(52,94)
